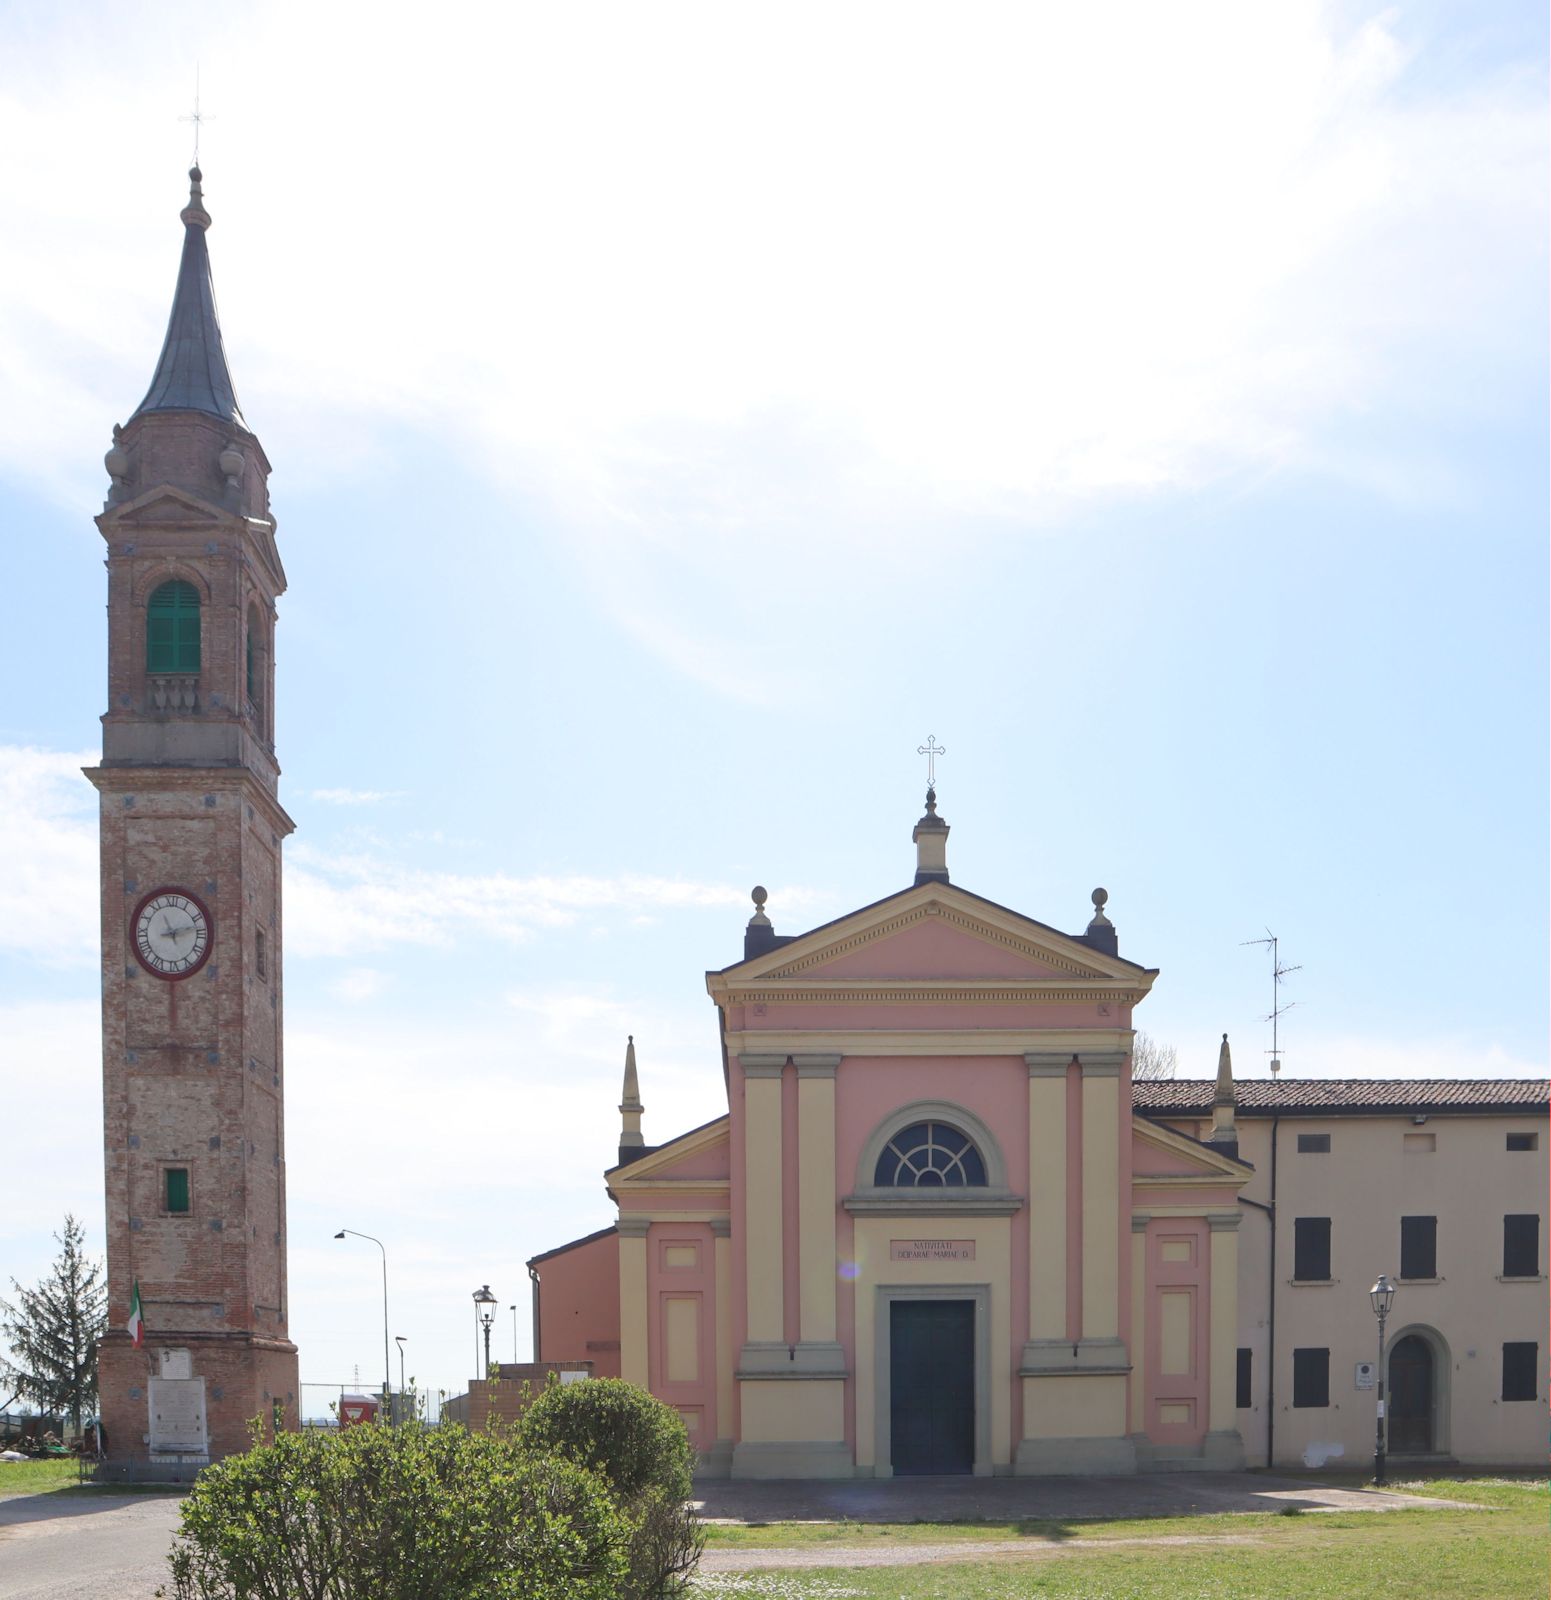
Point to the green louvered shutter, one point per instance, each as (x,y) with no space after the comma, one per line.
(177,1189)
(172,629)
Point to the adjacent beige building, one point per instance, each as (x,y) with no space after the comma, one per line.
(1442,1184)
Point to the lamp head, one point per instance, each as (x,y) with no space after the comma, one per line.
(1382,1295)
(484,1302)
(340,1234)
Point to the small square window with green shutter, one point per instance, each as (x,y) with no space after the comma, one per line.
(175,1190)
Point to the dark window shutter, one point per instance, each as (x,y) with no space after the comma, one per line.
(172,628)
(177,1189)
(1311,1377)
(1311,1248)
(1521,1375)
(1418,1247)
(1313,1144)
(1241,1397)
(1521,1246)
(1523,1141)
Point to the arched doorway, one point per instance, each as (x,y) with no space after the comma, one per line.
(1411,1391)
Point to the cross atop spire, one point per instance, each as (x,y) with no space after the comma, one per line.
(191,373)
(931,750)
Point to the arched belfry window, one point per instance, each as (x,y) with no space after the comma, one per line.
(930,1155)
(172,629)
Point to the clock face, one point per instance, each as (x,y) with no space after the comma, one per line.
(172,933)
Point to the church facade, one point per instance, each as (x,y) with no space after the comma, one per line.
(930,1234)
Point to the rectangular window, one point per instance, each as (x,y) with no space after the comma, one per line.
(1418,1247)
(1419,1144)
(1521,1246)
(260,955)
(1313,1144)
(1521,1362)
(1241,1397)
(1523,1141)
(175,1189)
(1311,1377)
(1311,1248)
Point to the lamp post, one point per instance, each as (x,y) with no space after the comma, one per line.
(401,1341)
(1382,1297)
(387,1373)
(513,1310)
(485,1305)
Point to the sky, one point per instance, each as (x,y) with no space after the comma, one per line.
(678,414)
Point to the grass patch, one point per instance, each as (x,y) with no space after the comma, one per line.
(37,1477)
(1498,1553)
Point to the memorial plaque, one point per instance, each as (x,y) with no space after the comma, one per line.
(178,1415)
(931,1249)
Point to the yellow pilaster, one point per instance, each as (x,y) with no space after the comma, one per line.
(1100,1197)
(725,1360)
(1047,1193)
(633,1365)
(762,1194)
(1221,1410)
(1138,1323)
(816,1195)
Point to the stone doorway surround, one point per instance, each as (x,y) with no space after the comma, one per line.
(885,1294)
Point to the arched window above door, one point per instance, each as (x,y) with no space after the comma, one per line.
(930,1155)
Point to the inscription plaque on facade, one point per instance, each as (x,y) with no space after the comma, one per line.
(178,1415)
(931,1249)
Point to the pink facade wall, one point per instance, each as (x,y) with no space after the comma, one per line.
(693,1392)
(579,1305)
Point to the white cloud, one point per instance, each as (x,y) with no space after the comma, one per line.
(357,985)
(748,296)
(48,841)
(336,904)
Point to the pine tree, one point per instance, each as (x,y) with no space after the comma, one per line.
(53,1330)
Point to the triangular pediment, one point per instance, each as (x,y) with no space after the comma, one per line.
(1160,1155)
(938,933)
(167,506)
(698,1159)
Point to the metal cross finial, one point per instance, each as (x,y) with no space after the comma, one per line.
(931,750)
(197,117)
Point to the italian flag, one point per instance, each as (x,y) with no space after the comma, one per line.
(136,1323)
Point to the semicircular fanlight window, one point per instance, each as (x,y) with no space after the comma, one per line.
(929,1155)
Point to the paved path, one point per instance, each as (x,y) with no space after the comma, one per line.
(89,1546)
(1163,1494)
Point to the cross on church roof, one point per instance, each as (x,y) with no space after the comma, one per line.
(931,750)
(197,117)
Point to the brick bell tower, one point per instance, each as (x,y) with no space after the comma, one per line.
(192,948)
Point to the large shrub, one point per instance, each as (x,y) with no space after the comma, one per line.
(639,1447)
(616,1429)
(408,1513)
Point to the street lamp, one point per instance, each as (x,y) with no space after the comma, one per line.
(485,1305)
(513,1310)
(1382,1296)
(387,1377)
(400,1341)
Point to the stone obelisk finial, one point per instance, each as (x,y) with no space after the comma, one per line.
(631,1145)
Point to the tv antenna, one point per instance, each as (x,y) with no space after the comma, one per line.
(1278,972)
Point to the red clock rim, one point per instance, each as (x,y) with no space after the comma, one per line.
(134,943)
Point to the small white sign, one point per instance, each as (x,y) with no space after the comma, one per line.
(1365,1374)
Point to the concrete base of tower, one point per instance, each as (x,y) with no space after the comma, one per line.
(183,1400)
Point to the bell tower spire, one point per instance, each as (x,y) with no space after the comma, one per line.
(190,830)
(632,1146)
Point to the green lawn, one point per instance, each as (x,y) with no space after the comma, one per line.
(37,1477)
(1496,1553)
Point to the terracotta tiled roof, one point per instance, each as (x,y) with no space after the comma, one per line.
(1192,1097)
